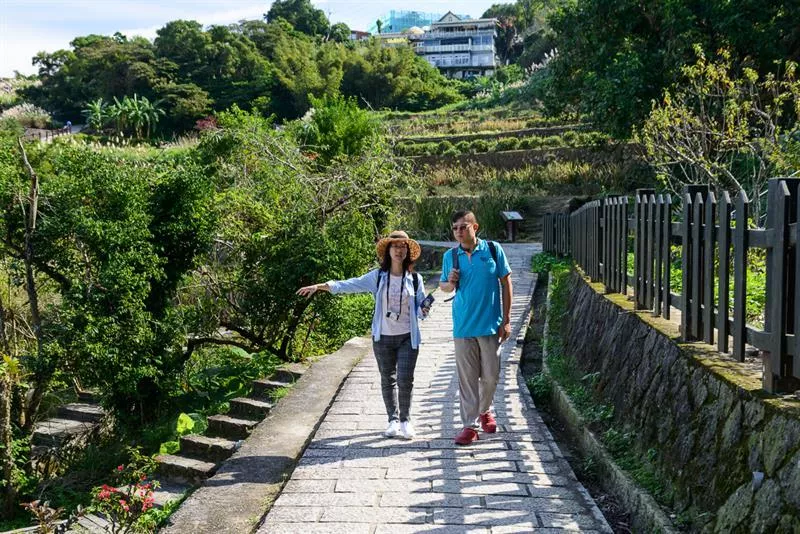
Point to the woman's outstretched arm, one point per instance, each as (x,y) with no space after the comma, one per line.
(310,290)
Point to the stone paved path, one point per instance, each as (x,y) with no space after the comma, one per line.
(353,480)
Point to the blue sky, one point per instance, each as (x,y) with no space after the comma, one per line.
(28,26)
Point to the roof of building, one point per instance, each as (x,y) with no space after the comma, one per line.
(451,19)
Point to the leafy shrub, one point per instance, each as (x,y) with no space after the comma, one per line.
(508,143)
(553,141)
(528,143)
(8,100)
(28,115)
(452,151)
(336,127)
(463,147)
(444,146)
(479,145)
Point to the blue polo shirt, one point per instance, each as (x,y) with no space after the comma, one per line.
(476,308)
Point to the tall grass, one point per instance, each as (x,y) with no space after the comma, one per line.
(554,178)
(429,217)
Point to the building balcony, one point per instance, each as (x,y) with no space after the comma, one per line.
(444,49)
(436,34)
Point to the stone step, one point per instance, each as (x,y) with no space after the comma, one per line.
(207,448)
(263,387)
(88,397)
(92,523)
(249,408)
(80,411)
(169,491)
(288,373)
(228,427)
(184,470)
(54,432)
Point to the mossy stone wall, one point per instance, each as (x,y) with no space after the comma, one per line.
(703,421)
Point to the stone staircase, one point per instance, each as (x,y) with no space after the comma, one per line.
(74,421)
(200,455)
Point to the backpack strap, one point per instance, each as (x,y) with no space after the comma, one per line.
(414,279)
(454,253)
(493,249)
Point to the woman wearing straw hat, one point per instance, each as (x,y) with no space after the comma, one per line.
(399,295)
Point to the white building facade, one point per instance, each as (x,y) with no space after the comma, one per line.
(460,48)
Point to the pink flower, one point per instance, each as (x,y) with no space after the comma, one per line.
(124,505)
(120,467)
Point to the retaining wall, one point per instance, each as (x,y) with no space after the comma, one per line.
(729,453)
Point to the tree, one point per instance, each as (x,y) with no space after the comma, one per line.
(725,131)
(301,14)
(336,127)
(616,57)
(379,24)
(96,113)
(340,32)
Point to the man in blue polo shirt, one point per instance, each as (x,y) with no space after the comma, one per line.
(481,321)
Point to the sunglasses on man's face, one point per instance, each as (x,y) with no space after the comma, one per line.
(460,227)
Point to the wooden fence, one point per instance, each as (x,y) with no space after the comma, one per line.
(712,237)
(45,135)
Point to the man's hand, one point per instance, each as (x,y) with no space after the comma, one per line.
(453,276)
(504,332)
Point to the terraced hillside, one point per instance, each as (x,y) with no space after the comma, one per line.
(497,160)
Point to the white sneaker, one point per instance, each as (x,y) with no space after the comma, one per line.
(407,430)
(393,430)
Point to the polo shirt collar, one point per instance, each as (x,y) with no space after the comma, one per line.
(480,244)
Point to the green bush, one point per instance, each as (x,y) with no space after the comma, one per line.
(463,147)
(28,115)
(444,146)
(479,145)
(508,143)
(336,127)
(553,141)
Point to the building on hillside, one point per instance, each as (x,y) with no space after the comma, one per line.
(410,37)
(459,47)
(398,21)
(357,35)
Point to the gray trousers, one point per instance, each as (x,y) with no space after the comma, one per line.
(478,364)
(396,362)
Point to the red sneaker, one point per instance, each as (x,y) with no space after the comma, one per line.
(488,424)
(466,436)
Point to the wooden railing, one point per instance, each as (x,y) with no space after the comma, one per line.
(46,135)
(713,237)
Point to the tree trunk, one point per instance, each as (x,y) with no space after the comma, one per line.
(8,499)
(41,378)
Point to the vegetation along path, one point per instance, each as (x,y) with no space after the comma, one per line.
(352,479)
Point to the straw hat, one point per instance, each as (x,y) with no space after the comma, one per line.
(398,236)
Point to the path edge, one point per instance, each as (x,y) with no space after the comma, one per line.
(646,514)
(238,497)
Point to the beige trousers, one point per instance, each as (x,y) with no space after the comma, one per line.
(478,364)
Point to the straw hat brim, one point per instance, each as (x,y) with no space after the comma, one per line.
(414,250)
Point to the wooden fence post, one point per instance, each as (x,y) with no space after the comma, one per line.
(724,240)
(779,318)
(667,254)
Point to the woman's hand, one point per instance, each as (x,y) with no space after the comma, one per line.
(307,291)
